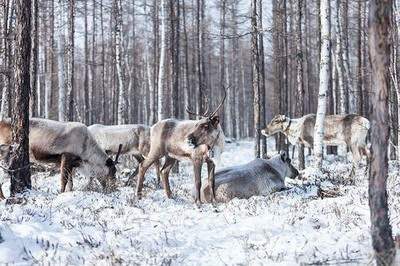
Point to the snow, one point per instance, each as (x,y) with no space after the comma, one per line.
(295,226)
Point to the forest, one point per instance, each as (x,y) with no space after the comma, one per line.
(278,120)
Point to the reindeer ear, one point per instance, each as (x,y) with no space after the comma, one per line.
(215,120)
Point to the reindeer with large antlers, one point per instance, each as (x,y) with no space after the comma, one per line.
(69,144)
(184,140)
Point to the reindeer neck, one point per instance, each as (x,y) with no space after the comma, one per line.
(291,130)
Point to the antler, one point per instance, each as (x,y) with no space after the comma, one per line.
(220,104)
(196,114)
(118,153)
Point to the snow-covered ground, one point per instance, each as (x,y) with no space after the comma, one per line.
(321,219)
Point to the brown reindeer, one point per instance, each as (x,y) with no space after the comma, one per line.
(184,140)
(68,144)
(350,129)
(135,139)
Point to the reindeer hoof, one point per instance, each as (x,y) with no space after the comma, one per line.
(198,203)
(139,195)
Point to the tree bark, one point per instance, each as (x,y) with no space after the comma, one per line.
(19,160)
(300,82)
(34,59)
(71,60)
(324,76)
(379,48)
(256,75)
(122,106)
(161,97)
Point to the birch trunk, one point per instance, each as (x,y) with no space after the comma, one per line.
(34,59)
(161,97)
(323,83)
(300,82)
(119,61)
(255,81)
(60,59)
(339,62)
(70,59)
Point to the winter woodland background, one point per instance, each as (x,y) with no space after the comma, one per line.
(138,61)
(117,62)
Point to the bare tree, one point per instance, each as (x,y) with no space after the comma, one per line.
(19,160)
(70,59)
(300,73)
(161,92)
(60,58)
(379,49)
(323,82)
(256,77)
(34,59)
(122,106)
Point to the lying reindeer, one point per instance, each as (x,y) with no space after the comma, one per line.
(183,140)
(350,129)
(259,177)
(69,144)
(134,138)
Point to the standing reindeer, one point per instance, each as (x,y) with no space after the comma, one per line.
(184,140)
(68,144)
(350,129)
(135,139)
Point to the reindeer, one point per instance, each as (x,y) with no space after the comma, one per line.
(258,177)
(350,129)
(69,144)
(135,139)
(184,140)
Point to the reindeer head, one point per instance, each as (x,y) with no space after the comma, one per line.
(207,129)
(109,183)
(289,169)
(277,124)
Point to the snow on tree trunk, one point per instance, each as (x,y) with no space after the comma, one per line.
(161,99)
(323,83)
(118,61)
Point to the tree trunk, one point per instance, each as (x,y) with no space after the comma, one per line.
(122,106)
(263,113)
(70,59)
(161,97)
(323,83)
(95,94)
(379,30)
(256,75)
(19,160)
(86,65)
(34,59)
(60,55)
(300,82)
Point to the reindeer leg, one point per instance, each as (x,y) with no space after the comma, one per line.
(1,193)
(169,163)
(66,170)
(158,171)
(211,178)
(197,164)
(142,171)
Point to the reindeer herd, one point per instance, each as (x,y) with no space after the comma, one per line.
(89,150)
